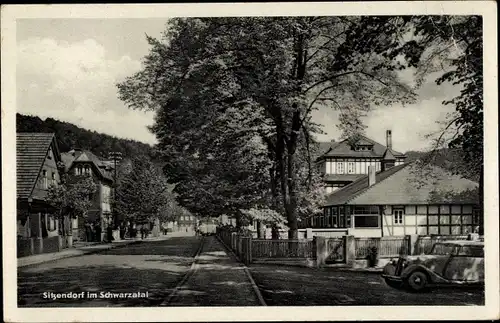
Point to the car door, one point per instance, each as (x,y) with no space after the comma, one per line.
(466,265)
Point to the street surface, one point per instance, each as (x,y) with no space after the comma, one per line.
(165,271)
(152,266)
(296,286)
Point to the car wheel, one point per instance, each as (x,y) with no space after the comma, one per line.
(417,281)
(393,284)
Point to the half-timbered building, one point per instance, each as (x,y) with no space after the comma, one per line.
(403,200)
(346,161)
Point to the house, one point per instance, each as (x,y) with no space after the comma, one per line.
(401,200)
(184,223)
(346,161)
(78,163)
(38,229)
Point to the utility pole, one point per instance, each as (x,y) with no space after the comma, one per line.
(115,156)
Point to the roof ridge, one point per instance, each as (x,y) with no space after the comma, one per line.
(377,182)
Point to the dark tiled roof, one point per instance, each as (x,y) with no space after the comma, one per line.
(347,193)
(406,184)
(77,156)
(324,146)
(343,149)
(31,151)
(413,185)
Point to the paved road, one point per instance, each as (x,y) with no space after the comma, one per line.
(295,286)
(217,280)
(155,267)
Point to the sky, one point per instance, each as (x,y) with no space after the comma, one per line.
(67,69)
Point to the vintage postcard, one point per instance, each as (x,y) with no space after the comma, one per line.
(250,162)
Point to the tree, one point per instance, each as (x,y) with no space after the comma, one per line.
(450,49)
(71,198)
(141,190)
(275,72)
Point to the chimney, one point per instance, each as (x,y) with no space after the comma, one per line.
(371,175)
(388,139)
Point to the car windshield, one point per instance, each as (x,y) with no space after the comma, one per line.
(442,249)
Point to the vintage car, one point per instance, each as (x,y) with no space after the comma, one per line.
(448,262)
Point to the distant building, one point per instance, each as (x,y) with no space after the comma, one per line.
(400,201)
(345,162)
(83,163)
(38,229)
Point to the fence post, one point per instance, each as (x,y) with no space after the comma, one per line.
(309,233)
(350,250)
(412,244)
(249,250)
(321,250)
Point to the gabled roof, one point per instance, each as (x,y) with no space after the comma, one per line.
(408,184)
(85,156)
(325,146)
(343,149)
(388,155)
(31,151)
(349,192)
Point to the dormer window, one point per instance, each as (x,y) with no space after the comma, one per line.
(362,148)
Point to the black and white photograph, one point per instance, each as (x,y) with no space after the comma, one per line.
(184,162)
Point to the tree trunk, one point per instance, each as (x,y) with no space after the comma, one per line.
(292,213)
(481,201)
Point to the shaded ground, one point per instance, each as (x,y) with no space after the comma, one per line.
(295,286)
(217,280)
(154,267)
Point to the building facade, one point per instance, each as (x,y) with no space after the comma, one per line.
(344,162)
(401,201)
(38,228)
(80,163)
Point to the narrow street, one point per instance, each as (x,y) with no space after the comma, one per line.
(155,267)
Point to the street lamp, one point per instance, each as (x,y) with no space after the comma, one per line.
(115,156)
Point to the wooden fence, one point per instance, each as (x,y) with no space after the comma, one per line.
(335,249)
(327,250)
(386,247)
(276,249)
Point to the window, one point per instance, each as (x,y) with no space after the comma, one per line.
(398,216)
(471,251)
(350,168)
(87,170)
(53,179)
(44,179)
(366,210)
(366,221)
(340,167)
(476,213)
(442,249)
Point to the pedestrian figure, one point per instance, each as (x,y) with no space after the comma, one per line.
(98,231)
(142,231)
(88,233)
(92,232)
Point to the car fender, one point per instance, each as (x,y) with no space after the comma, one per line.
(433,277)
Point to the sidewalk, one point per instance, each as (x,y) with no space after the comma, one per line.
(217,280)
(81,250)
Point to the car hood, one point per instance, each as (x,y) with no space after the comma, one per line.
(429,261)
